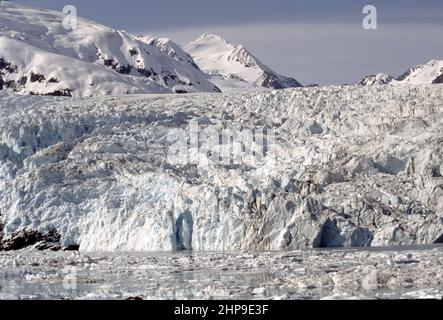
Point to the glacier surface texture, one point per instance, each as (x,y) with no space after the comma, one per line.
(350,166)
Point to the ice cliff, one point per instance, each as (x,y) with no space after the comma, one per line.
(351,166)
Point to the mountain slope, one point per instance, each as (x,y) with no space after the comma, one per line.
(234,64)
(170,48)
(38,56)
(429,73)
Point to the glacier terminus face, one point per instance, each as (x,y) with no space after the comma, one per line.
(279,170)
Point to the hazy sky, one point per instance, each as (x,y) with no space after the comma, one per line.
(315,41)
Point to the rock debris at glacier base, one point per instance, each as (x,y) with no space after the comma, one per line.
(351,166)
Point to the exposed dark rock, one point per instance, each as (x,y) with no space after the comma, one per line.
(123,69)
(147,73)
(11,84)
(110,63)
(23,80)
(194,64)
(60,93)
(439,79)
(373,79)
(235,77)
(133,52)
(72,247)
(134,299)
(273,81)
(35,77)
(56,93)
(180,91)
(407,261)
(53,80)
(407,73)
(42,246)
(26,238)
(7,66)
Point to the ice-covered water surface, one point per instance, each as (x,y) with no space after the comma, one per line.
(303,274)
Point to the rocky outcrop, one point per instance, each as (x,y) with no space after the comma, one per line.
(56,93)
(376,79)
(274,81)
(8,69)
(31,238)
(438,79)
(26,238)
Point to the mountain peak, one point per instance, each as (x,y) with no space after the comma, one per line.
(233,62)
(216,40)
(210,36)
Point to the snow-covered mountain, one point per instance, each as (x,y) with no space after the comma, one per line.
(233,66)
(39,56)
(431,72)
(169,47)
(379,78)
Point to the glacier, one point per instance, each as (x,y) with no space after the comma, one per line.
(351,166)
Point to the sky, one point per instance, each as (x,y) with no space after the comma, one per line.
(315,41)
